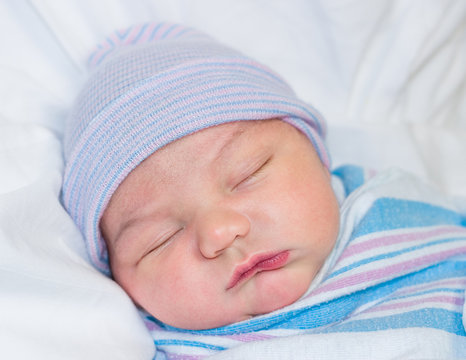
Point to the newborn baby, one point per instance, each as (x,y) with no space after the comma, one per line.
(202,185)
(192,169)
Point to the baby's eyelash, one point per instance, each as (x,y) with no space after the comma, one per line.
(256,172)
(260,169)
(164,241)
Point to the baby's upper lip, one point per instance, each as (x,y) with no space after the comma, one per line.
(265,261)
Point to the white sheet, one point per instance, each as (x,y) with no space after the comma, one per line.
(388,75)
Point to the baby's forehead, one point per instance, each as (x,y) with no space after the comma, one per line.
(220,142)
(215,148)
(212,145)
(217,138)
(247,130)
(199,147)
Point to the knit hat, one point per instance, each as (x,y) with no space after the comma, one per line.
(150,85)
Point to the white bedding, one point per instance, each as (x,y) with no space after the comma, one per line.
(389,75)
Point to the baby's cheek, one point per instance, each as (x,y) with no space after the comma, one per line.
(189,304)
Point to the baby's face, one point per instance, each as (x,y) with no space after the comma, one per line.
(225,224)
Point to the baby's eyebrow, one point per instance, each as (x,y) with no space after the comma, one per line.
(229,143)
(125,227)
(134,235)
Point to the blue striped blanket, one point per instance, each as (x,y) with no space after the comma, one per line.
(394,285)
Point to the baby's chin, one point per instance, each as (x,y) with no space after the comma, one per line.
(210,323)
(205,323)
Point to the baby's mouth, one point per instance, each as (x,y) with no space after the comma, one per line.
(258,263)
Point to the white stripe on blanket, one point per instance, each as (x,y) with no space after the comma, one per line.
(394,286)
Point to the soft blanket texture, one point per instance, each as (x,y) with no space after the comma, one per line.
(399,268)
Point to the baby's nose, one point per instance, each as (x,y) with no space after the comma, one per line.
(218,229)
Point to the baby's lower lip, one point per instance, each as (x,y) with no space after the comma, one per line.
(259,264)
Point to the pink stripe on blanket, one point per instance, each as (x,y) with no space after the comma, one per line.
(371,276)
(247,337)
(442,299)
(175,356)
(458,283)
(394,239)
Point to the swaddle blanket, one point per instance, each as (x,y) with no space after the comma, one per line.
(398,268)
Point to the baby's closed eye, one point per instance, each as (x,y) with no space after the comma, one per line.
(162,240)
(252,175)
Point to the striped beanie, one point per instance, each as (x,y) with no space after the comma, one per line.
(150,85)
